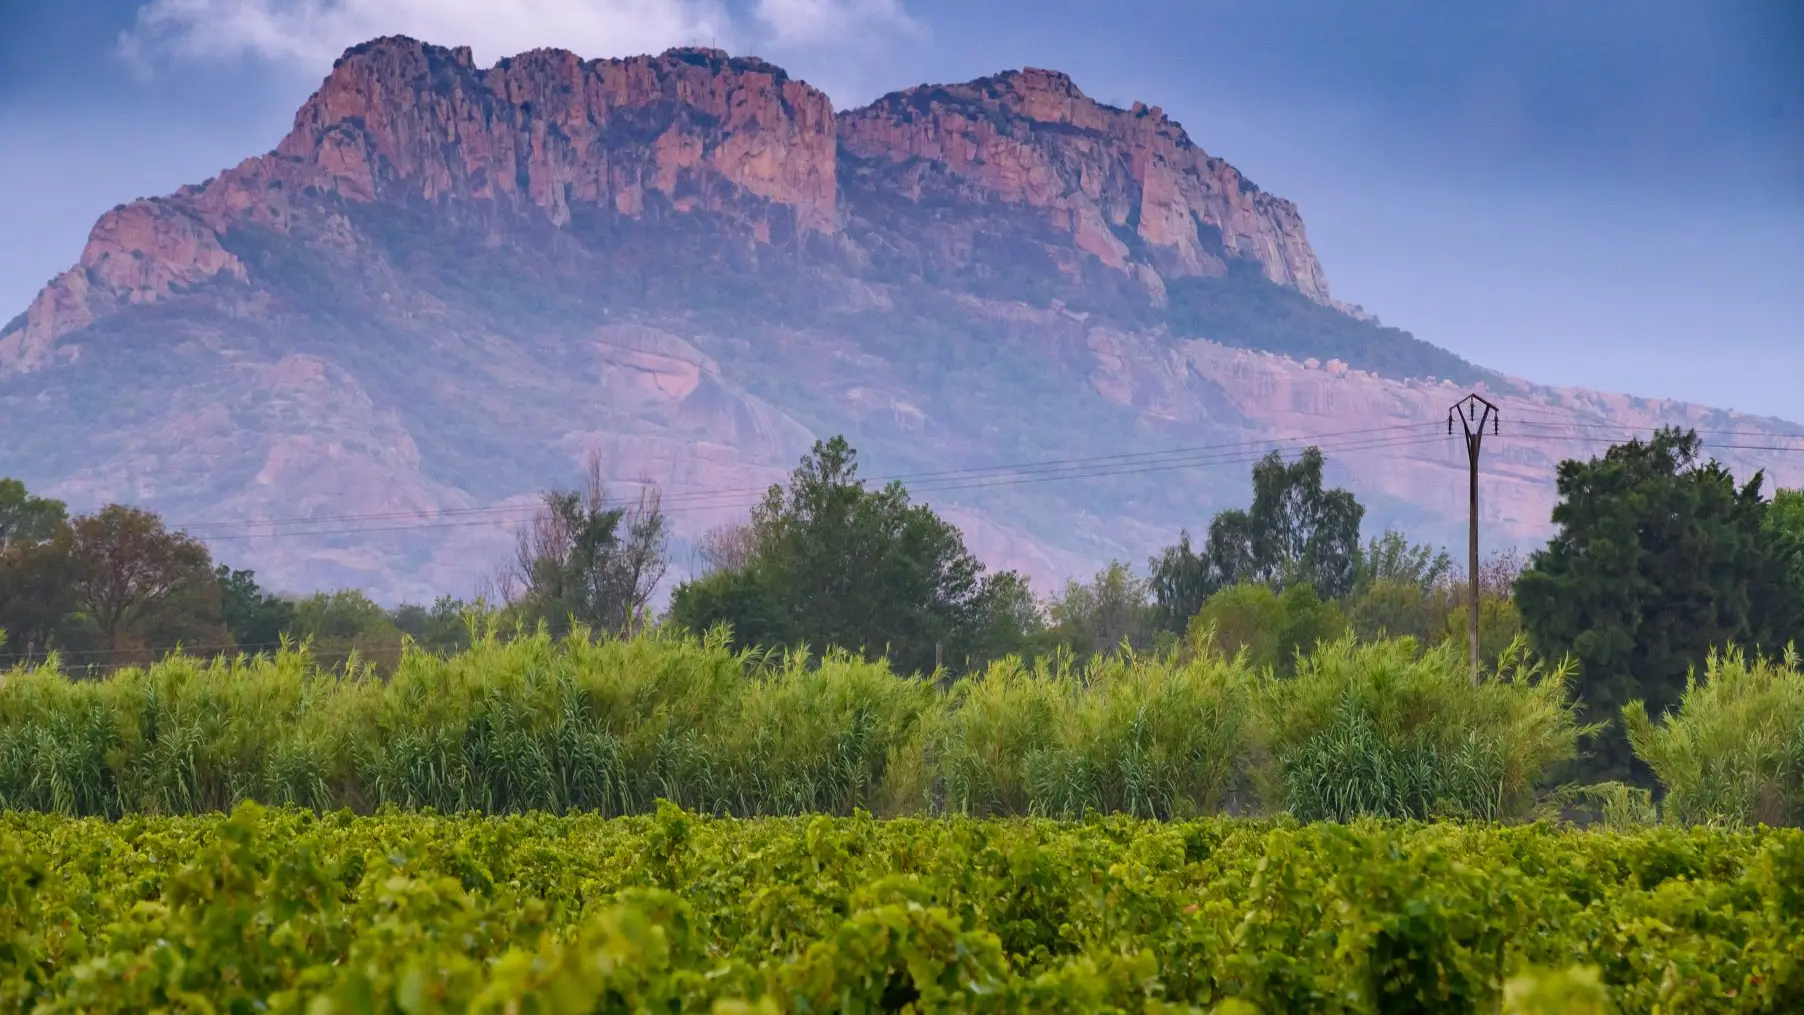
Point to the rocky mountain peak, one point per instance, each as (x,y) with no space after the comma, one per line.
(688,130)
(1126,186)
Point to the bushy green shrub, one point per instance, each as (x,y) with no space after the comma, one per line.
(1270,627)
(1733,751)
(1149,737)
(1382,729)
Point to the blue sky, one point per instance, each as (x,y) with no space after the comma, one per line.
(1608,194)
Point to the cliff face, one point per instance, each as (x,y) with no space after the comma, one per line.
(352,360)
(1127,187)
(550,135)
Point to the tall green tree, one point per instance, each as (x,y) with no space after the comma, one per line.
(1391,557)
(1099,616)
(346,623)
(37,600)
(585,560)
(142,587)
(255,619)
(1659,557)
(833,563)
(1297,531)
(36,593)
(1785,527)
(442,628)
(26,519)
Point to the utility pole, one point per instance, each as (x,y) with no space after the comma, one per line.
(1473,412)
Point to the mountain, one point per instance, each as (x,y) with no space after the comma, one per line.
(351,361)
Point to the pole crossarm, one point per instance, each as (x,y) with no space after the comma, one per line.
(1473,412)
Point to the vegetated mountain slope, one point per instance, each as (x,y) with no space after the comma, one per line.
(448,284)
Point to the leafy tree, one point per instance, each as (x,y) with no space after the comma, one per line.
(1272,627)
(1391,557)
(584,561)
(37,598)
(142,586)
(1395,608)
(1181,581)
(26,519)
(1785,528)
(255,619)
(1097,617)
(442,628)
(1659,558)
(726,548)
(833,563)
(341,624)
(1295,532)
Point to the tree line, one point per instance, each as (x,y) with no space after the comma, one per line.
(1660,557)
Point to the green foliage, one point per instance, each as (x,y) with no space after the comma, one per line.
(1395,608)
(143,588)
(1098,617)
(1296,532)
(1659,559)
(1270,627)
(1575,991)
(1384,730)
(1391,557)
(613,725)
(37,600)
(255,619)
(443,628)
(289,912)
(584,561)
(1733,751)
(347,627)
(1785,530)
(1154,738)
(25,519)
(833,563)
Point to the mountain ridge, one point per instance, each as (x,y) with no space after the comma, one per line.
(447,283)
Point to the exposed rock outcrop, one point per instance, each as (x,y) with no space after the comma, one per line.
(1127,185)
(696,131)
(351,360)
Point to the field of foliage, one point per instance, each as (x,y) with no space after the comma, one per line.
(1359,729)
(665,824)
(613,726)
(289,911)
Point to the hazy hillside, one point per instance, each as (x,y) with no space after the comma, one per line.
(448,283)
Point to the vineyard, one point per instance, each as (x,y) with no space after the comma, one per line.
(288,911)
(663,824)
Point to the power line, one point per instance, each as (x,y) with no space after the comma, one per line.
(1071,472)
(678,500)
(906,477)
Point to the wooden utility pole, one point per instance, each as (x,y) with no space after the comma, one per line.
(1473,412)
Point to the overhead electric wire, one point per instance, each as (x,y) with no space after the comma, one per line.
(1264,446)
(1239,457)
(979,477)
(905,477)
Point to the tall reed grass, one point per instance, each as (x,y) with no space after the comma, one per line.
(1733,751)
(611,726)
(1382,729)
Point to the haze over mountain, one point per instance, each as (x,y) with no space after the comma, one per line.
(449,283)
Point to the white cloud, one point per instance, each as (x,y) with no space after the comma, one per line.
(310,34)
(813,23)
